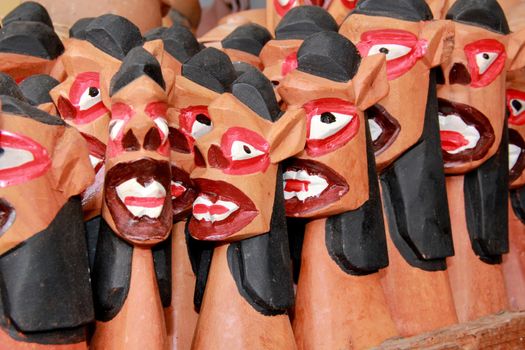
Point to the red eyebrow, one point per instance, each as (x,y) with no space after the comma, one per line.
(121,111)
(156,109)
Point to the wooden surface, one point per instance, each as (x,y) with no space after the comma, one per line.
(503,331)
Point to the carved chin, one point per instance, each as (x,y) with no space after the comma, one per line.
(137,195)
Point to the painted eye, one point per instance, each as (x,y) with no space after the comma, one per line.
(13,157)
(162,125)
(517,106)
(201,126)
(115,128)
(242,150)
(283,6)
(484,60)
(392,51)
(327,124)
(89,98)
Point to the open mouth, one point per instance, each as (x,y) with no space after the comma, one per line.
(220,210)
(21,159)
(383,128)
(466,134)
(516,155)
(183,193)
(310,185)
(136,194)
(7,216)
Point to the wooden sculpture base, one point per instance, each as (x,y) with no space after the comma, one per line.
(419,301)
(181,317)
(501,331)
(140,324)
(514,263)
(478,288)
(228,321)
(335,310)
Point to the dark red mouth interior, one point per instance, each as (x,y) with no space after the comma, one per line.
(183,195)
(215,191)
(389,126)
(337,187)
(452,140)
(7,216)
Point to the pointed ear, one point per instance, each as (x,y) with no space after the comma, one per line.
(438,7)
(516,50)
(288,135)
(169,79)
(155,48)
(370,83)
(72,170)
(58,72)
(439,36)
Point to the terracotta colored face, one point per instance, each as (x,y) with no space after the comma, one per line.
(279,57)
(20,66)
(137,188)
(471,102)
(237,184)
(188,121)
(277,9)
(79,102)
(330,175)
(37,161)
(411,49)
(516,109)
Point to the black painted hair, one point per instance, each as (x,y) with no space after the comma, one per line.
(31,39)
(249,38)
(302,21)
(415,197)
(9,87)
(78,30)
(138,62)
(28,12)
(486,14)
(406,10)
(255,91)
(114,35)
(329,55)
(210,68)
(36,88)
(178,41)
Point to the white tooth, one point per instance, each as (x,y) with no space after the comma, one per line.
(316,185)
(453,122)
(131,188)
(514,154)
(290,174)
(375,129)
(232,207)
(94,161)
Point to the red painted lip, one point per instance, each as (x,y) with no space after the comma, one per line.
(296,185)
(349,4)
(337,187)
(182,199)
(30,170)
(470,116)
(389,125)
(96,148)
(146,202)
(220,190)
(451,140)
(7,216)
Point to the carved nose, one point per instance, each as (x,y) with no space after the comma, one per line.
(152,140)
(66,109)
(459,75)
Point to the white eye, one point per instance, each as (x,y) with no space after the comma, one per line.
(517,106)
(115,126)
(14,157)
(242,150)
(201,126)
(285,2)
(484,60)
(89,98)
(327,124)
(162,125)
(392,51)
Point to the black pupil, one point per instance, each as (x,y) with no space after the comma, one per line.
(201,118)
(516,104)
(247,149)
(327,118)
(486,56)
(384,50)
(93,91)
